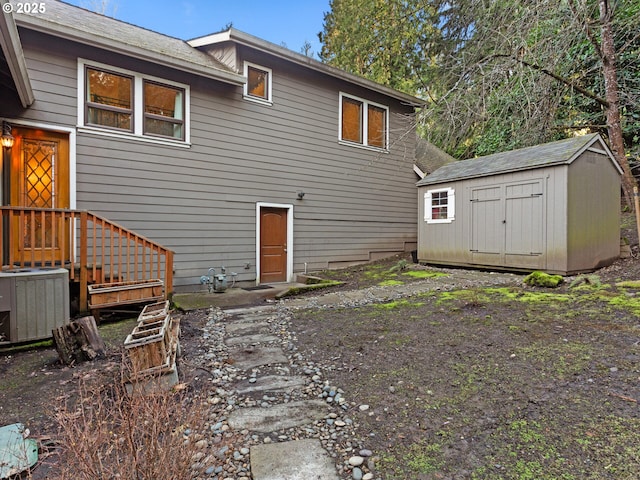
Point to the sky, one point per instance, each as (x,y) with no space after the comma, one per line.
(284,22)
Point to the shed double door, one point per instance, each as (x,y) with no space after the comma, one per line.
(508,225)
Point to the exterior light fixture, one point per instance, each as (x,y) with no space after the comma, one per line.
(300,195)
(7,139)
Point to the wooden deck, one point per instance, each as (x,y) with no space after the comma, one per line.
(96,251)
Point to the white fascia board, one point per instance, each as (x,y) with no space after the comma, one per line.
(12,50)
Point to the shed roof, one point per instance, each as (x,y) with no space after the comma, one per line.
(83,26)
(561,152)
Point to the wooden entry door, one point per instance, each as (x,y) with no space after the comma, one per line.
(273,244)
(40,179)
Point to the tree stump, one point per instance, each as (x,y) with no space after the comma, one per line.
(78,341)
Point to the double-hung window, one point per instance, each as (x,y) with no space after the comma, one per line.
(439,205)
(363,122)
(109,101)
(163,110)
(115,101)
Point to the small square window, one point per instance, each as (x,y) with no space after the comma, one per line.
(439,206)
(258,86)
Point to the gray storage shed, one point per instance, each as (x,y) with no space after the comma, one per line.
(552,207)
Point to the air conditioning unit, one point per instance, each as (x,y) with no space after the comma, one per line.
(33,302)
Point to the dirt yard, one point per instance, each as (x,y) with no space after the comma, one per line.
(491,383)
(479,383)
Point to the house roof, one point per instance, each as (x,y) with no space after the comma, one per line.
(13,56)
(86,27)
(561,152)
(83,26)
(429,157)
(241,38)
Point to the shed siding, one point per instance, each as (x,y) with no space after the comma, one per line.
(557,216)
(201,201)
(594,212)
(563,218)
(501,221)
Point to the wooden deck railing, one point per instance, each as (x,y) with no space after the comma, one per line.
(94,250)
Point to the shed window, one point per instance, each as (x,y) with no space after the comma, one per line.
(439,206)
(363,123)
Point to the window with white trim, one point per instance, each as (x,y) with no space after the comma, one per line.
(363,123)
(127,102)
(258,85)
(439,205)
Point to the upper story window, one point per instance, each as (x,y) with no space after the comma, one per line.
(119,101)
(363,123)
(258,86)
(163,110)
(109,99)
(439,205)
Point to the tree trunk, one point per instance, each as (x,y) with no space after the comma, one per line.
(78,341)
(612,109)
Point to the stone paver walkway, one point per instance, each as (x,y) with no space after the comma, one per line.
(252,346)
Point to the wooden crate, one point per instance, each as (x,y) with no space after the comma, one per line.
(155,357)
(104,295)
(159,378)
(154,310)
(149,344)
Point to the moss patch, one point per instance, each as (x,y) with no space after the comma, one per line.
(424,274)
(314,286)
(542,279)
(398,304)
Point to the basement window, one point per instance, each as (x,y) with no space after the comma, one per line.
(439,205)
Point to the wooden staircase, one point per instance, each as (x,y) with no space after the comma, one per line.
(104,259)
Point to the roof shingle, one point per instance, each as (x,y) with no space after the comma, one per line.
(548,154)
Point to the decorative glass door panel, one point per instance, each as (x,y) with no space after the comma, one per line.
(40,180)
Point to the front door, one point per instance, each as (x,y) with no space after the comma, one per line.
(40,179)
(273,244)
